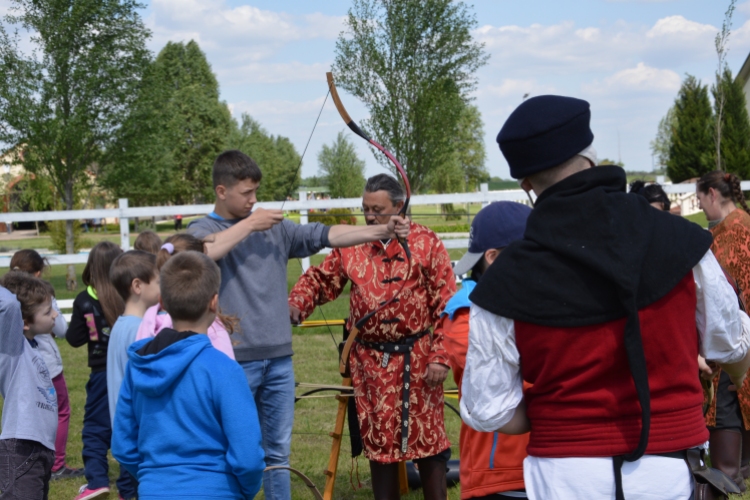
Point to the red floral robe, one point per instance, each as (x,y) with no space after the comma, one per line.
(731,247)
(378,391)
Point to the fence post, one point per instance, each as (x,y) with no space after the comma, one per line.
(303,220)
(485,188)
(124,226)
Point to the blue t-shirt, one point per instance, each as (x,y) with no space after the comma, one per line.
(123,334)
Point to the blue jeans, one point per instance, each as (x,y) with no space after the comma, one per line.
(272,384)
(97,435)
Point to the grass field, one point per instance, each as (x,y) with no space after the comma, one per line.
(315,361)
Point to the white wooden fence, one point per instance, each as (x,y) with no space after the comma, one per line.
(125,213)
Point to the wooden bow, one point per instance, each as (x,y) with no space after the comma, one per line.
(344,359)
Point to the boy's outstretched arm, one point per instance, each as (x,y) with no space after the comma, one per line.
(221,243)
(239,419)
(342,235)
(11,336)
(125,429)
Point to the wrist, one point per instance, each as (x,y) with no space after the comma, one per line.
(249,225)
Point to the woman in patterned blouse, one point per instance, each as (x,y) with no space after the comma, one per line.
(728,416)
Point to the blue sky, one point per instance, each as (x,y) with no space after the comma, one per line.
(626,57)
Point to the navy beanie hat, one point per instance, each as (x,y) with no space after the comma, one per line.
(543,132)
(495,226)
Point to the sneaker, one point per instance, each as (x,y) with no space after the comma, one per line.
(66,472)
(86,494)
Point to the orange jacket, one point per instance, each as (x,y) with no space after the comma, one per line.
(490,462)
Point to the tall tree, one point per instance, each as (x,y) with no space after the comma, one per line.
(175,130)
(343,170)
(720,99)
(465,170)
(63,101)
(414,66)
(691,152)
(469,148)
(734,152)
(661,143)
(275,155)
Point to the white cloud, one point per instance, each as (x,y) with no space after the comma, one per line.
(566,48)
(516,89)
(220,23)
(265,72)
(640,79)
(679,27)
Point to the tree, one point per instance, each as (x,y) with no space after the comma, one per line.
(313,181)
(662,142)
(275,155)
(175,130)
(691,149)
(607,161)
(343,170)
(62,102)
(413,64)
(720,43)
(734,152)
(469,148)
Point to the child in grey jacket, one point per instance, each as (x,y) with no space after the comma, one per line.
(31,262)
(29,421)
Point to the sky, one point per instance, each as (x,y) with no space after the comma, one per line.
(626,57)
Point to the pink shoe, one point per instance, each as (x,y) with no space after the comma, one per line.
(86,494)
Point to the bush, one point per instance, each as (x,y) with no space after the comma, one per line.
(333,216)
(458,228)
(57,234)
(457,214)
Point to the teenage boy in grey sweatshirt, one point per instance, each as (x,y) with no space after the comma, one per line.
(252,248)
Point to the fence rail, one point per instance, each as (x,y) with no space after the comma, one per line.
(124,213)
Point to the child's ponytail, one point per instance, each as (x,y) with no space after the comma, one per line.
(96,275)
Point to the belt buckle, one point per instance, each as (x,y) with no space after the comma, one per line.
(386,357)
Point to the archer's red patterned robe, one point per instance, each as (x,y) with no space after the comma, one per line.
(378,391)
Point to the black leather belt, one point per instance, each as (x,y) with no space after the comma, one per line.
(403,347)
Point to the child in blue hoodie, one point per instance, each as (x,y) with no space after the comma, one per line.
(186,424)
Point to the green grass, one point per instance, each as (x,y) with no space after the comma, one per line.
(699,218)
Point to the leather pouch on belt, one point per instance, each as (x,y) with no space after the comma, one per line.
(709,484)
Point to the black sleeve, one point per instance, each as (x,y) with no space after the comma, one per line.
(78,332)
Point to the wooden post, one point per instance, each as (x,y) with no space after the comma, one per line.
(338,432)
(403,478)
(124,226)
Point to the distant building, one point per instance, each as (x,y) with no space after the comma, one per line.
(744,77)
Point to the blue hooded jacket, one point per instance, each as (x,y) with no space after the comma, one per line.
(186,425)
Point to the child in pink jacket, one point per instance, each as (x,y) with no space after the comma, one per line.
(156,319)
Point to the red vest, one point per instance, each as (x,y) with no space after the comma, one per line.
(583,402)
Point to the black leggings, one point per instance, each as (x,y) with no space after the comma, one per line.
(728,415)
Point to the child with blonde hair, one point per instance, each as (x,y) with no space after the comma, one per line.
(156,319)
